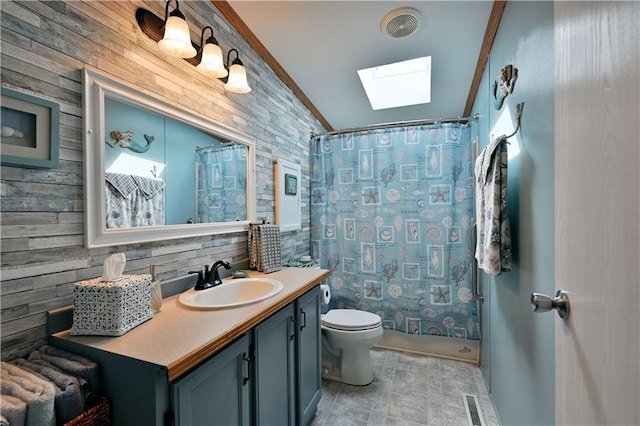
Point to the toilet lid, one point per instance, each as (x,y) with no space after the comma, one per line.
(350,319)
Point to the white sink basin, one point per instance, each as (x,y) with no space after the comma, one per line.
(232,293)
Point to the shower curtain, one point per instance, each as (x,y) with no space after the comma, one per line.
(221,183)
(391,216)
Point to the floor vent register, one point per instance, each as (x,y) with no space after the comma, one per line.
(474,413)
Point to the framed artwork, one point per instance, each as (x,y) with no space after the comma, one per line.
(290,184)
(288,203)
(30,130)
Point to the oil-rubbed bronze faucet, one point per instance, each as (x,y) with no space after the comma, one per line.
(202,284)
(210,277)
(216,275)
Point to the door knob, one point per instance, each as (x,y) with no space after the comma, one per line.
(543,303)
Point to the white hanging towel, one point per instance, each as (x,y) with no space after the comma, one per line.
(493,243)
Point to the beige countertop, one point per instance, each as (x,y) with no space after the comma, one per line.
(179,338)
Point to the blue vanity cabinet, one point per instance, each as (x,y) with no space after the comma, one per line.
(275,375)
(308,359)
(287,364)
(217,392)
(270,375)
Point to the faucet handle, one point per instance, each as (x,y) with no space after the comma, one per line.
(201,284)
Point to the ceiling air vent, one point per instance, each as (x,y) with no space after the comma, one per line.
(401,22)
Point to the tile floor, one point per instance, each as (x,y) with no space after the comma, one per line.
(407,390)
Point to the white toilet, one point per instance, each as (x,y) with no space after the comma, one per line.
(347,337)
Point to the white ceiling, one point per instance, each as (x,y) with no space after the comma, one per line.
(322,44)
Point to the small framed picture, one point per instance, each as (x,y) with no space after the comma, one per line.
(288,204)
(30,130)
(290,184)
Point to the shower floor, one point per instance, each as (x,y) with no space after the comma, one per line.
(407,390)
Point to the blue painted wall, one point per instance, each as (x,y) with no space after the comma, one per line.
(181,169)
(122,117)
(518,347)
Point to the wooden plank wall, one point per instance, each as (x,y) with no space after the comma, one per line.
(45,45)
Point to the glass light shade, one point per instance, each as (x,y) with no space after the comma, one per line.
(177,39)
(211,62)
(237,82)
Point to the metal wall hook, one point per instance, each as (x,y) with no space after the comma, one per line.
(519,108)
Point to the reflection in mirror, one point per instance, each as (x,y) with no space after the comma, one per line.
(160,171)
(221,183)
(155,171)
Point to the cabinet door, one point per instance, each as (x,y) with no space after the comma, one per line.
(217,392)
(274,369)
(309,383)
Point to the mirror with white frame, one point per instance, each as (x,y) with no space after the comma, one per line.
(155,171)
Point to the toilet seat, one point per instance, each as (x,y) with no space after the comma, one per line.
(350,320)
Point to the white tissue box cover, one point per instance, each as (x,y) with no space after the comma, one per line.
(111,308)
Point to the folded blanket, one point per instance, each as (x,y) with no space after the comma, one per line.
(37,393)
(14,410)
(70,363)
(69,402)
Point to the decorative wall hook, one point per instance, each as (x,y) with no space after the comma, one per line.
(508,77)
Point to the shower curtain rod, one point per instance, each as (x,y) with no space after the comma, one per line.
(398,124)
(222,145)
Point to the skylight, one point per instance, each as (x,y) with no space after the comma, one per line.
(398,84)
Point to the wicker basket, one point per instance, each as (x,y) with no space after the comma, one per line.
(98,415)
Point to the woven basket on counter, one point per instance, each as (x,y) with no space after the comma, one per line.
(98,415)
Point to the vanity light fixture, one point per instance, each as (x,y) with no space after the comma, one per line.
(176,40)
(173,37)
(211,61)
(237,81)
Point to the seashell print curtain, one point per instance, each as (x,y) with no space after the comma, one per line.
(391,217)
(222,184)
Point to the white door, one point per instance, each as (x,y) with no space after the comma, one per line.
(597,218)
